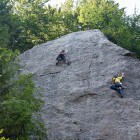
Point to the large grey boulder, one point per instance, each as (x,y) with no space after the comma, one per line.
(79,105)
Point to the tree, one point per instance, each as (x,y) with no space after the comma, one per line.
(133,24)
(32,28)
(106,16)
(69,14)
(19,108)
(10,26)
(4,19)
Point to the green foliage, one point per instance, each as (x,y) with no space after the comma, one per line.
(19,108)
(2,138)
(26,23)
(37,23)
(4,36)
(7,70)
(69,13)
(4,18)
(106,16)
(133,24)
(32,29)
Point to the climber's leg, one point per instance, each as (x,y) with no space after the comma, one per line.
(66,61)
(120,91)
(113,87)
(57,59)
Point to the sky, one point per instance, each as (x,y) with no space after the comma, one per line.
(129,4)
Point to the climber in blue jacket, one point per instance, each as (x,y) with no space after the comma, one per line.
(61,56)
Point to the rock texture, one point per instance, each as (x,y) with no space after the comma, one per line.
(78,102)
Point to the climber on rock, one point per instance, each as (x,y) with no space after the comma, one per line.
(61,56)
(117,85)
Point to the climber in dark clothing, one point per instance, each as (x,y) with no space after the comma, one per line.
(61,56)
(117,85)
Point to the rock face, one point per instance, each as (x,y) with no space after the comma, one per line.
(79,105)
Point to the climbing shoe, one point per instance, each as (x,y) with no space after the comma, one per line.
(121,96)
(67,63)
